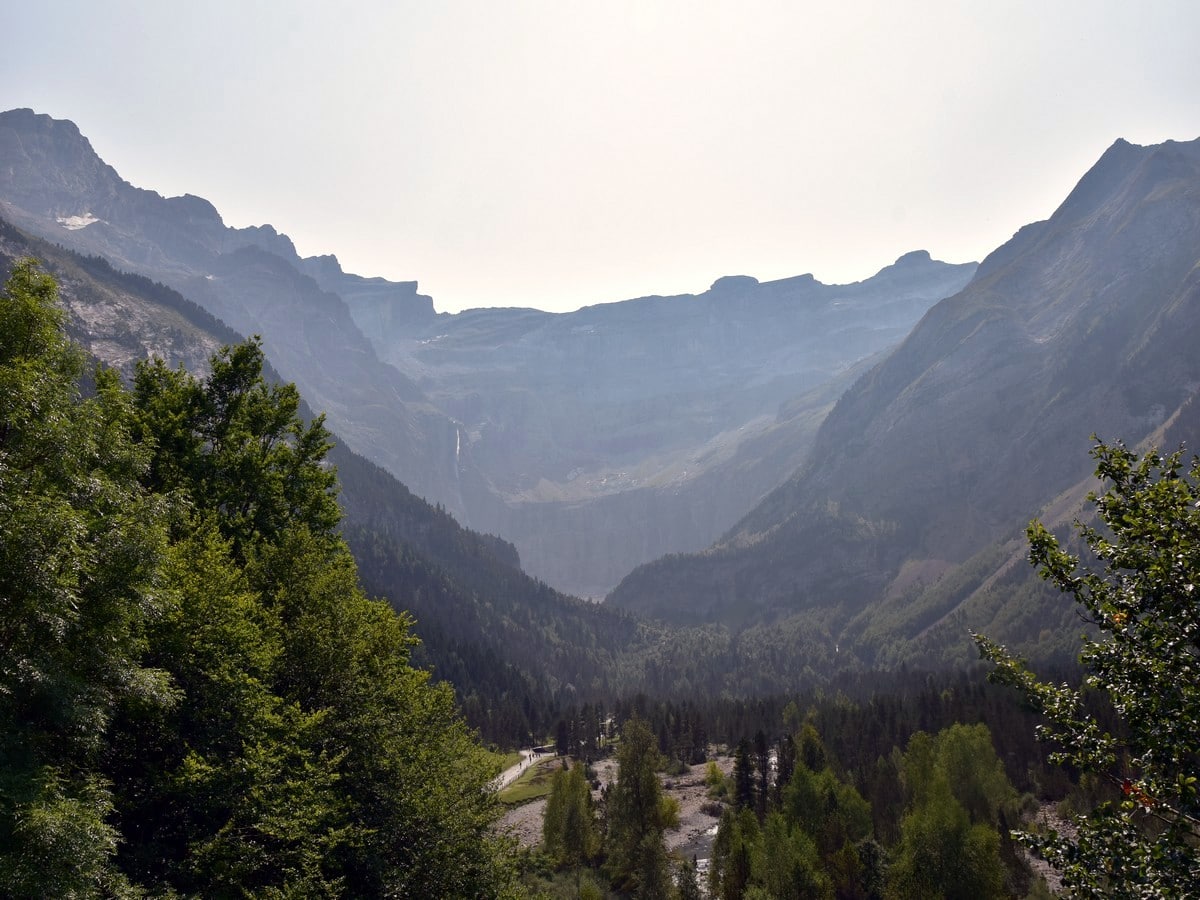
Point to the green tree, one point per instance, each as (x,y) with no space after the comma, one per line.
(743,776)
(226,792)
(237,447)
(832,816)
(785,766)
(957,792)
(965,757)
(196,697)
(786,865)
(942,855)
(687,881)
(812,749)
(569,833)
(1143,603)
(638,814)
(827,809)
(80,546)
(412,809)
(762,766)
(737,837)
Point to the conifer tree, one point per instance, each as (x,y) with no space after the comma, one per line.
(687,881)
(744,793)
(569,834)
(638,814)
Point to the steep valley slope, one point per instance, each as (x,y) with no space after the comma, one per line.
(880,446)
(646,427)
(905,523)
(506,641)
(593,441)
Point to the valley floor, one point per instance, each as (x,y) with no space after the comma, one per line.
(697,828)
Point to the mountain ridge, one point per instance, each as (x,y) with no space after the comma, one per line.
(683,408)
(917,454)
(1078,324)
(732,416)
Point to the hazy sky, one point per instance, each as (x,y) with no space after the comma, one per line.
(554,154)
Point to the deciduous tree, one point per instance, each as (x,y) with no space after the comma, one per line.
(1140,593)
(569,823)
(196,697)
(80,547)
(412,808)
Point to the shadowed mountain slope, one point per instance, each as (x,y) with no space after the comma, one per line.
(623,431)
(1086,322)
(53,185)
(507,642)
(593,441)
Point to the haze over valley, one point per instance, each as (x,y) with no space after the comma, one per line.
(791,462)
(611,464)
(310,589)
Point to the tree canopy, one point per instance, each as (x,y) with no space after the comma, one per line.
(196,696)
(638,814)
(1140,596)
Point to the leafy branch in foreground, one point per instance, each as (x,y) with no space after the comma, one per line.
(1143,601)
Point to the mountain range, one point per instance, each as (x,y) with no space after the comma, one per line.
(782,479)
(594,441)
(508,642)
(926,470)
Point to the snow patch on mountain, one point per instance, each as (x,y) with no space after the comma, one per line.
(75,223)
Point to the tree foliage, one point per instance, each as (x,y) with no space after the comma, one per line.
(1141,599)
(236,446)
(818,837)
(949,846)
(80,544)
(638,812)
(942,854)
(196,696)
(569,832)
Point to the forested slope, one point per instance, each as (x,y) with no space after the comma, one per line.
(487,627)
(196,696)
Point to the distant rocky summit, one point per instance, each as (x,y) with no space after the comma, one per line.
(625,431)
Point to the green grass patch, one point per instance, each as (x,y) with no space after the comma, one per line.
(533,784)
(501,760)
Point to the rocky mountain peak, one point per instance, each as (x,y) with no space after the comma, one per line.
(326,265)
(731,283)
(48,167)
(197,210)
(558,431)
(912,258)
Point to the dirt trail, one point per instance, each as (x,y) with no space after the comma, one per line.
(512,773)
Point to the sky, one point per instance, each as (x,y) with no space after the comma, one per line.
(557,154)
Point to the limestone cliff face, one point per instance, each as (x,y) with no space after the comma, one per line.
(49,169)
(120,319)
(378,306)
(1086,322)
